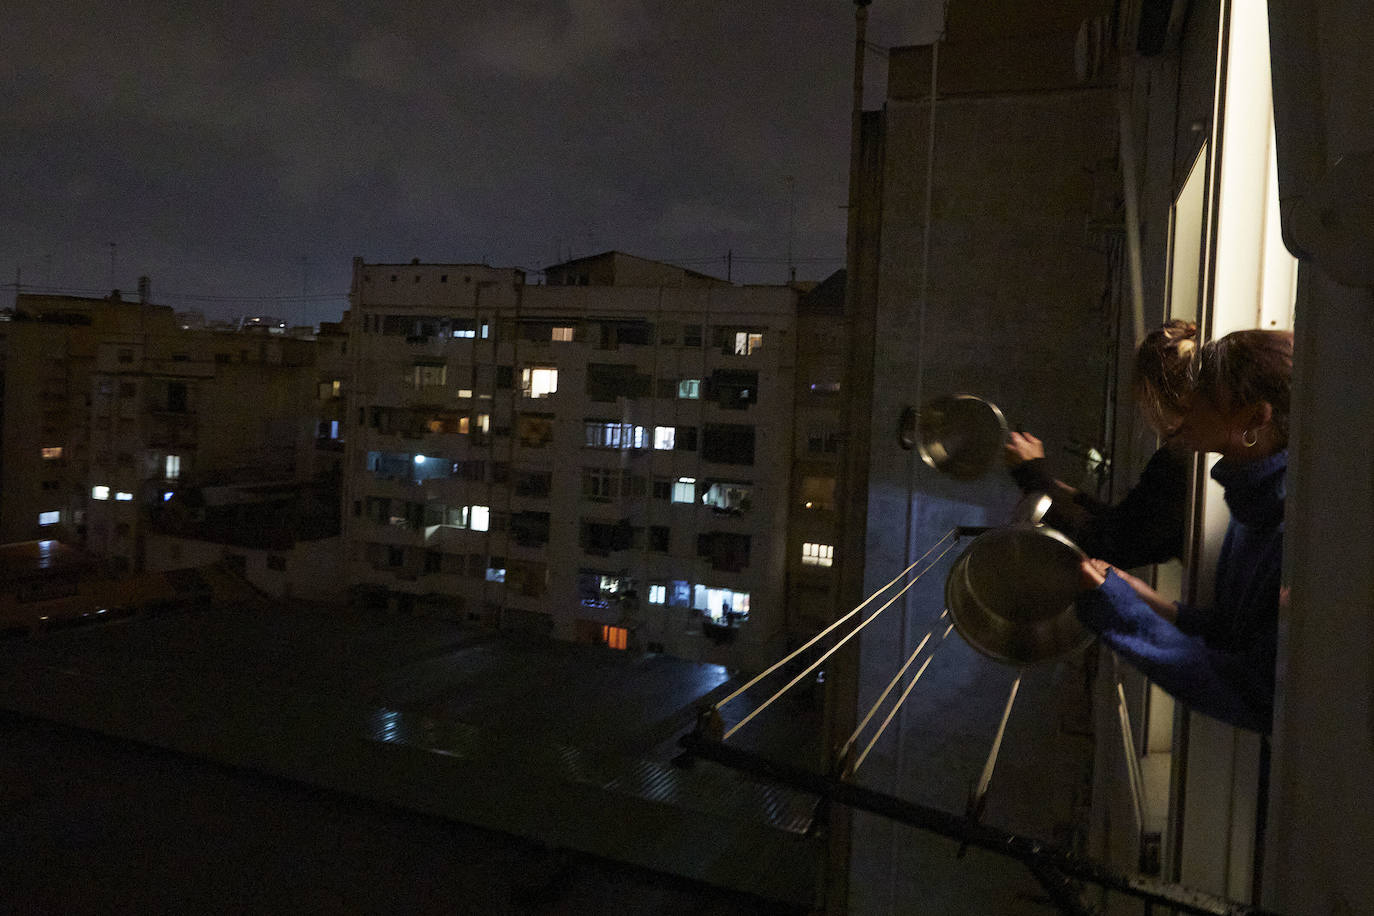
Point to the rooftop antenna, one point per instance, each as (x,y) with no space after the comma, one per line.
(113,248)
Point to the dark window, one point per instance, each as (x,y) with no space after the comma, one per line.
(733,389)
(728,443)
(608,381)
(276,563)
(660,537)
(530,529)
(685,439)
(727,551)
(691,335)
(536,484)
(176,397)
(505,377)
(601,538)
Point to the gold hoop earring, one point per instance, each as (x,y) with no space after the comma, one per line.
(1249,438)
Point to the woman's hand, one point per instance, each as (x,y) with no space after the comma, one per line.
(1022,447)
(1092,573)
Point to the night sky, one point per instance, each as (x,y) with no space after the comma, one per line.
(241,154)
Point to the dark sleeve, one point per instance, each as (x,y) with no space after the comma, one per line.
(1032,476)
(1147,525)
(1221,684)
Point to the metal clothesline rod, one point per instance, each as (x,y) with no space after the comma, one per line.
(976,803)
(901,700)
(811,642)
(966,831)
(835,648)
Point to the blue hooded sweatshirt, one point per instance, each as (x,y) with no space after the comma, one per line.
(1220,660)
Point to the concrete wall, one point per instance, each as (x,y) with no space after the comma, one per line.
(1018,307)
(1322,814)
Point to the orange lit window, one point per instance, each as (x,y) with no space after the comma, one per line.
(53,451)
(615,637)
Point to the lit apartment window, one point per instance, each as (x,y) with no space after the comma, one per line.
(539,381)
(480,518)
(466,329)
(101,493)
(123,496)
(52,452)
(482,423)
(682,593)
(601,434)
(50,518)
(825,387)
(818,554)
(464,392)
(658,594)
(718,603)
(685,490)
(689,388)
(563,335)
(496,572)
(172,466)
(615,637)
(747,342)
(664,436)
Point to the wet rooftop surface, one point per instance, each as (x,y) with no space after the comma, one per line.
(561,745)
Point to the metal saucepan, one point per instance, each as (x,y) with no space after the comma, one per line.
(960,435)
(1011,592)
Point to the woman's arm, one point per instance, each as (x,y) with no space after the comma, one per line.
(1094,572)
(1229,686)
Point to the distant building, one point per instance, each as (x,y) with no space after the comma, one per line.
(818,448)
(115,420)
(615,268)
(47,358)
(605,458)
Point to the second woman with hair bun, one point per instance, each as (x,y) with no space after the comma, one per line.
(1147,525)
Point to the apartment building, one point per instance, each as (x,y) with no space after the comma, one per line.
(818,446)
(47,357)
(589,459)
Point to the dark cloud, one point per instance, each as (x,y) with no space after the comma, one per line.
(251,150)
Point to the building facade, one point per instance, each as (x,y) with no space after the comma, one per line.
(601,463)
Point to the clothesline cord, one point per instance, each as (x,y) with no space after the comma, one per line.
(891,713)
(887,690)
(835,648)
(813,640)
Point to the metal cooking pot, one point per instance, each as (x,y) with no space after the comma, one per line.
(1011,592)
(960,435)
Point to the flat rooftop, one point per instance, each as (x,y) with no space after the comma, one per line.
(552,745)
